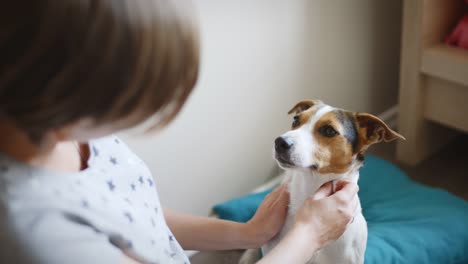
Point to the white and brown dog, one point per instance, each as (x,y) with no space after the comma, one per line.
(326,144)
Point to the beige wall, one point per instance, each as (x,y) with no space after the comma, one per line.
(354,52)
(260,57)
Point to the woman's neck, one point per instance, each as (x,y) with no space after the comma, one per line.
(16,143)
(50,154)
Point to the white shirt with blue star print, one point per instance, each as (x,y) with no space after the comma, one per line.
(99,215)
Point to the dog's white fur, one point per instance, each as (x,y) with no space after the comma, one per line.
(303,182)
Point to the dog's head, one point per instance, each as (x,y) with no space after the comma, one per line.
(327,139)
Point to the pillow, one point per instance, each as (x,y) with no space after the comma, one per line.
(408,222)
(240,209)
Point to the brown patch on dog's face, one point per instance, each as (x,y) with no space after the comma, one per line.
(304,105)
(335,137)
(341,135)
(303,117)
(303,111)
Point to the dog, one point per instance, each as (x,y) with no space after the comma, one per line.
(325,144)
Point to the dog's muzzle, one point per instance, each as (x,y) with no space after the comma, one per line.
(282,145)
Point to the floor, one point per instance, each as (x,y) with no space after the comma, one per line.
(446,169)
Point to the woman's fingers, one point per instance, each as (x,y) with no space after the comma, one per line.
(345,191)
(324,191)
(282,196)
(340,185)
(355,206)
(276,192)
(354,209)
(280,188)
(283,200)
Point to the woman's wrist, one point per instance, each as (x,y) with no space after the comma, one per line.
(304,236)
(306,233)
(298,246)
(253,235)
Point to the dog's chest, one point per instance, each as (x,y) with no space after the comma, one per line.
(349,248)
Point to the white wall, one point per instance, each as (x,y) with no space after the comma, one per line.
(258,58)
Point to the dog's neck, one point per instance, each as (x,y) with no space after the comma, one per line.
(305,182)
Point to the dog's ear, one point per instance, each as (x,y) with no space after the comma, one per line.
(372,130)
(303,105)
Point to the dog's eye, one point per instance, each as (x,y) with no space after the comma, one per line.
(328,131)
(296,121)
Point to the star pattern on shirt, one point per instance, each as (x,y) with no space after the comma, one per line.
(113,160)
(128,201)
(129,217)
(153,223)
(95,151)
(84,204)
(111,185)
(140,179)
(150,182)
(170,254)
(133,186)
(116,140)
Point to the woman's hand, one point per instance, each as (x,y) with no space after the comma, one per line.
(325,216)
(270,216)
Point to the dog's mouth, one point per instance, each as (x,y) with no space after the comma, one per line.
(284,161)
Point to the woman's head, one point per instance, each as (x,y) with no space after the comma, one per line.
(99,61)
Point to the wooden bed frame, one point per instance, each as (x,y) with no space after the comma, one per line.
(433,102)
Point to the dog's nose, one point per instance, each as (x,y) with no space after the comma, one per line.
(282,144)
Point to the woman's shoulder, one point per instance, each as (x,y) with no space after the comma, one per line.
(110,145)
(112,149)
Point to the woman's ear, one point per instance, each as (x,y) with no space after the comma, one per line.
(303,105)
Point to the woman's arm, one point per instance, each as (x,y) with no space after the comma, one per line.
(203,233)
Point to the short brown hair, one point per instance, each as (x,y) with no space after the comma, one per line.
(64,60)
